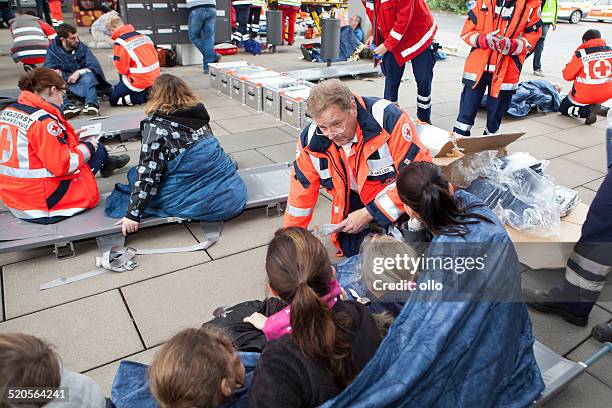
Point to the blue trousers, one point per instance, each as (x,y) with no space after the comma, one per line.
(568,108)
(539,48)
(470,102)
(99,159)
(85,87)
(122,95)
(242,22)
(422,68)
(202,22)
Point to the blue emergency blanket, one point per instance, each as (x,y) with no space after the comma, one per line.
(538,93)
(131,386)
(467,345)
(201,184)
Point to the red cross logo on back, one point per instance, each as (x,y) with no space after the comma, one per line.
(6,143)
(602,69)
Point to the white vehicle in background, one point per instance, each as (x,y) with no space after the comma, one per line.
(573,11)
(601,10)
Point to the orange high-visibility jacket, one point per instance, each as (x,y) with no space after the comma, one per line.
(135,58)
(520,20)
(43,168)
(386,142)
(591,71)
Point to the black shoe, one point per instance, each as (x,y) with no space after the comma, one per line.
(91,109)
(306,53)
(71,111)
(592,118)
(114,163)
(543,302)
(602,332)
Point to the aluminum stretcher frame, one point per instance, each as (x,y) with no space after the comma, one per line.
(337,71)
(123,125)
(558,372)
(8,96)
(267,186)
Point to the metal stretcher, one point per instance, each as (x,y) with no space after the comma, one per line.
(353,70)
(559,372)
(267,186)
(123,125)
(8,96)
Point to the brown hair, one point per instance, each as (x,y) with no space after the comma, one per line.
(327,93)
(27,361)
(40,79)
(65,30)
(188,370)
(168,94)
(300,271)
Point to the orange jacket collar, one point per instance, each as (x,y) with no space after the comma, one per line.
(126,28)
(596,42)
(31,99)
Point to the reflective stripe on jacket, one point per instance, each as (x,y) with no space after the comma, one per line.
(386,142)
(135,58)
(43,168)
(591,71)
(517,19)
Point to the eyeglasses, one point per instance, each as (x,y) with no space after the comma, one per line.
(62,91)
(333,129)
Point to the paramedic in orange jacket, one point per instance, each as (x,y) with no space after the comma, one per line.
(591,71)
(46,173)
(354,148)
(136,61)
(501,34)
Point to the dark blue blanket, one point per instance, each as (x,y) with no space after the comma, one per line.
(201,184)
(539,93)
(68,63)
(468,345)
(131,386)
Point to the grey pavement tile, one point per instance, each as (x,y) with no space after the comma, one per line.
(217,129)
(541,147)
(187,298)
(586,195)
(105,375)
(18,256)
(107,185)
(584,136)
(600,369)
(280,153)
(570,174)
(592,157)
(22,280)
(212,99)
(559,121)
(585,391)
(529,126)
(227,112)
(605,299)
(290,130)
(87,333)
(253,228)
(594,185)
(248,124)
(446,108)
(601,123)
(236,142)
(250,158)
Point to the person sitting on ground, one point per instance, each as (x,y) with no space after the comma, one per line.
(80,69)
(198,368)
(29,362)
(183,170)
(46,172)
(100,34)
(351,44)
(319,343)
(6,13)
(591,71)
(355,24)
(135,58)
(31,38)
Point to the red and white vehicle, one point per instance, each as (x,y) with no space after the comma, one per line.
(573,11)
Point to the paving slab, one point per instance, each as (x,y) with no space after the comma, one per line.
(187,298)
(528,125)
(212,99)
(218,130)
(291,131)
(22,280)
(586,195)
(280,153)
(87,333)
(227,112)
(541,147)
(236,142)
(248,124)
(583,136)
(585,391)
(107,185)
(559,121)
(593,157)
(250,158)
(605,299)
(253,229)
(446,108)
(570,174)
(595,184)
(601,369)
(18,256)
(105,375)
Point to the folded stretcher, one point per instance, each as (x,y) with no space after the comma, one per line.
(122,125)
(267,186)
(338,71)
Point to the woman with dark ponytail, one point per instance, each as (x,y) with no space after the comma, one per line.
(319,343)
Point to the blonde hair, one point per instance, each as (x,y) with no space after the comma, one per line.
(188,370)
(381,247)
(331,92)
(169,94)
(114,22)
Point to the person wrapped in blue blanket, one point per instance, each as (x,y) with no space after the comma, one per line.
(183,170)
(464,337)
(539,93)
